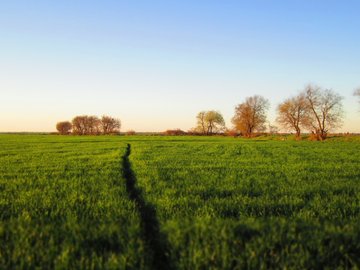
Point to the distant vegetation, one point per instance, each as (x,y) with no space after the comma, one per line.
(314,110)
(64,128)
(130,133)
(209,123)
(175,132)
(250,116)
(90,125)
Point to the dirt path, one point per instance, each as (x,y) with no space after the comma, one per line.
(157,247)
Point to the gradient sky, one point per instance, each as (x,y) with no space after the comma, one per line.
(156,64)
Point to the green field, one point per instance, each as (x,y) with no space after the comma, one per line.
(152,202)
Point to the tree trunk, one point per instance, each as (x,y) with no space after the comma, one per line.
(298,133)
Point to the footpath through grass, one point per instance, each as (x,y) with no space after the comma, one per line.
(64,205)
(178,203)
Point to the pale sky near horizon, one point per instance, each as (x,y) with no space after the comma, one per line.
(156,64)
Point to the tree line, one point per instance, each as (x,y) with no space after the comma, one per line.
(89,125)
(314,109)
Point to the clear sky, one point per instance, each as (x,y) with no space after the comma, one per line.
(156,64)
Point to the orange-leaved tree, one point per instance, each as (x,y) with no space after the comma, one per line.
(250,116)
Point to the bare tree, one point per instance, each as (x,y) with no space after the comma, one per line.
(109,125)
(86,125)
(92,125)
(79,125)
(210,122)
(250,116)
(64,128)
(293,113)
(201,126)
(325,110)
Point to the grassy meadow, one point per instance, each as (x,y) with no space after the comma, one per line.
(153,202)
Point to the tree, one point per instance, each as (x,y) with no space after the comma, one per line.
(293,113)
(79,125)
(210,122)
(325,110)
(250,116)
(86,125)
(92,126)
(215,122)
(64,128)
(109,125)
(201,126)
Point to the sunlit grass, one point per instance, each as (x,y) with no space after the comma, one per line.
(219,202)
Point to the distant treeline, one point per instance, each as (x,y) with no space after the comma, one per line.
(314,110)
(90,125)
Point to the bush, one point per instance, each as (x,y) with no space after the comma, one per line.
(64,128)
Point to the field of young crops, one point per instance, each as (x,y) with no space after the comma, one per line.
(63,204)
(143,202)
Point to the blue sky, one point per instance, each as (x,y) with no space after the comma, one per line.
(156,64)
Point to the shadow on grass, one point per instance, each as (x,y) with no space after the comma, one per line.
(157,246)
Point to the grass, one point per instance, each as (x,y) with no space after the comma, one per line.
(226,204)
(178,202)
(64,205)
